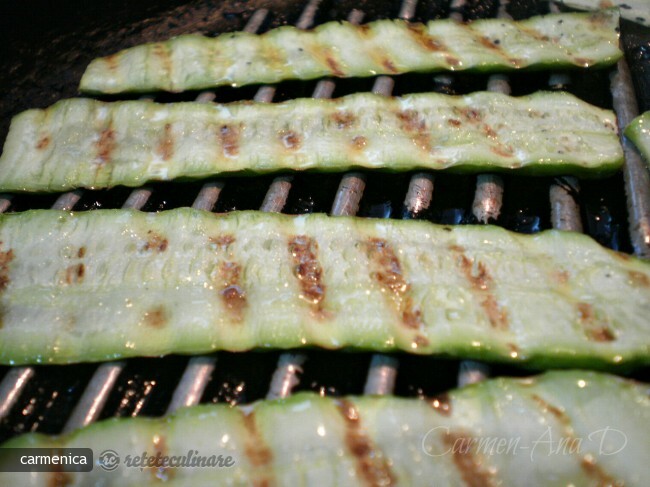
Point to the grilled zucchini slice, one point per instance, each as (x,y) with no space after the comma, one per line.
(105,284)
(341,49)
(638,131)
(635,10)
(92,144)
(560,428)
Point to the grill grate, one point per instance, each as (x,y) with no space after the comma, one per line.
(31,398)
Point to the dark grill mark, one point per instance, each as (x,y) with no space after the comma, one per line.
(561,277)
(81,252)
(489,131)
(371,465)
(105,145)
(599,18)
(502,151)
(161,51)
(166,145)
(156,318)
(229,138)
(112,62)
(388,273)
(308,271)
(232,295)
(560,415)
(334,67)
(468,466)
(390,67)
(359,142)
(471,114)
(5,259)
(412,122)
(639,279)
(454,123)
(74,274)
(483,284)
(595,471)
(363,29)
(485,42)
(230,290)
(344,120)
(160,448)
(595,329)
(223,241)
(442,404)
(474,116)
(430,43)
(257,451)
(290,139)
(155,242)
(43,143)
(451,60)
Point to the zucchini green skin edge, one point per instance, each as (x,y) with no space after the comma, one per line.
(560,428)
(92,144)
(635,10)
(340,49)
(638,131)
(106,284)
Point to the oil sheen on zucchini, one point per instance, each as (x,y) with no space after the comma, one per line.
(92,144)
(638,131)
(100,285)
(560,428)
(343,50)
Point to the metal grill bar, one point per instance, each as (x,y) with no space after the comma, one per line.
(635,172)
(138,198)
(12,385)
(94,396)
(565,211)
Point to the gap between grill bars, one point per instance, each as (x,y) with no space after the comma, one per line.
(487,204)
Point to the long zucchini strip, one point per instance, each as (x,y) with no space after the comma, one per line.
(560,428)
(344,50)
(100,285)
(635,10)
(638,131)
(87,143)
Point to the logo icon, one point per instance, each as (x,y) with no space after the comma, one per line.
(109,460)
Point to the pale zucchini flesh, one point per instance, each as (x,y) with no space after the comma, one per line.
(341,49)
(638,131)
(107,284)
(92,144)
(635,10)
(560,428)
